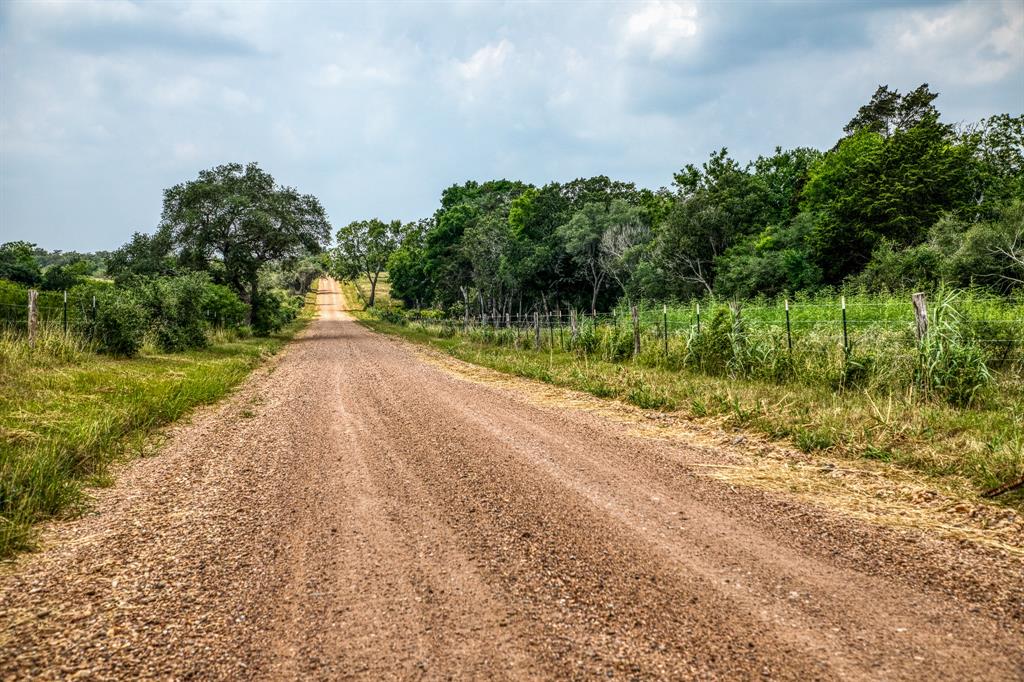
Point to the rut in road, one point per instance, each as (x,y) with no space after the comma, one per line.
(354,511)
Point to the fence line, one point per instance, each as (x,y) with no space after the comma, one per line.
(640,324)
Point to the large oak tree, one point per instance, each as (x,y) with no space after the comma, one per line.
(239,218)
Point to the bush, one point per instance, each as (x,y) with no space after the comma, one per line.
(119,325)
(391,315)
(274,309)
(711,351)
(175,309)
(222,307)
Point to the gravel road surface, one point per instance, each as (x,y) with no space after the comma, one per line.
(355,512)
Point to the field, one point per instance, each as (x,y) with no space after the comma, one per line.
(67,413)
(951,408)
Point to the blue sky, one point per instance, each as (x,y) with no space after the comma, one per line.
(375,108)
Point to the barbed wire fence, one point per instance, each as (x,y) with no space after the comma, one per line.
(24,313)
(637,328)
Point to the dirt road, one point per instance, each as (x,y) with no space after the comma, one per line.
(355,512)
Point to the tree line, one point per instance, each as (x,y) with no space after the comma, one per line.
(234,249)
(902,200)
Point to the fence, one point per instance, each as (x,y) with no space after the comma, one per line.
(69,312)
(25,312)
(999,331)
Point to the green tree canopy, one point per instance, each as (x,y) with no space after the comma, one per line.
(18,264)
(364,247)
(239,217)
(873,187)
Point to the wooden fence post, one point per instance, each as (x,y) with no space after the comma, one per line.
(636,329)
(536,330)
(574,331)
(33,317)
(920,315)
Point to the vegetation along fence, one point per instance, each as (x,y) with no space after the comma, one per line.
(952,344)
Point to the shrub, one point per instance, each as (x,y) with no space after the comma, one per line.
(119,325)
(392,315)
(274,309)
(222,306)
(175,309)
(711,350)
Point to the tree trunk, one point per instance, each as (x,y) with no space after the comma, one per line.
(465,305)
(373,290)
(253,300)
(593,299)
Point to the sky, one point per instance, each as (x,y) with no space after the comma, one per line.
(375,108)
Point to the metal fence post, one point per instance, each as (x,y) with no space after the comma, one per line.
(789,329)
(664,326)
(65,312)
(551,330)
(846,343)
(698,317)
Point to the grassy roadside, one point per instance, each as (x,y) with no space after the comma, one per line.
(66,414)
(967,450)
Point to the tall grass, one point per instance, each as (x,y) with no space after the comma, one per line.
(971,339)
(66,413)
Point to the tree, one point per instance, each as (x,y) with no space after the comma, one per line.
(584,233)
(873,187)
(240,217)
(364,247)
(990,252)
(18,264)
(772,262)
(623,248)
(407,273)
(58,277)
(889,111)
(487,246)
(998,142)
(144,255)
(716,205)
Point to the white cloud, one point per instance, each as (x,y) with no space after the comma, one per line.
(238,101)
(661,29)
(333,75)
(185,151)
(179,91)
(79,10)
(485,62)
(963,45)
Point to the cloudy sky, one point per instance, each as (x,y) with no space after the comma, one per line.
(376,108)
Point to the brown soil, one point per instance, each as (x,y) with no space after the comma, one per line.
(354,511)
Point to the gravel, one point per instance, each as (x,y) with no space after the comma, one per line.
(352,511)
